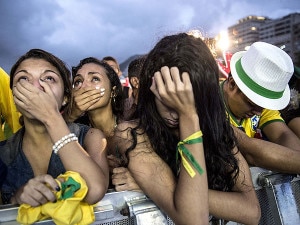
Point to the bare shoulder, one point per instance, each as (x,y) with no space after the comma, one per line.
(123,134)
(94,133)
(124,129)
(94,140)
(127,124)
(126,138)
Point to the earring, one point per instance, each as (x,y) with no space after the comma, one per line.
(65,101)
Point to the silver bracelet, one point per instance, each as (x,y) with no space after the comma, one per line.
(63,141)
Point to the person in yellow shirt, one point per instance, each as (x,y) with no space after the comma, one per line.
(9,114)
(254,92)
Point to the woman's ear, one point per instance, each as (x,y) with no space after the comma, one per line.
(134,82)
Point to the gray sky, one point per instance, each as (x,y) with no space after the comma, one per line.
(75,29)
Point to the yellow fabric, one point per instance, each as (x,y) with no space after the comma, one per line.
(68,211)
(192,139)
(187,166)
(8,110)
(253,125)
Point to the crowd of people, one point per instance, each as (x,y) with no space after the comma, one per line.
(180,134)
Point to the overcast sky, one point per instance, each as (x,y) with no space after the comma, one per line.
(75,29)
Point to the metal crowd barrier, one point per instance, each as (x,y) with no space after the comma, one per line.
(116,208)
(278,194)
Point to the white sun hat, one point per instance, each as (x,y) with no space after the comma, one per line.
(262,73)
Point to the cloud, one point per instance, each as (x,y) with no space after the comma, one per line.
(74,29)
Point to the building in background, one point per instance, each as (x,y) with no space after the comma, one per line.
(283,32)
(245,32)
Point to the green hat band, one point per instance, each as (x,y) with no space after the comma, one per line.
(253,85)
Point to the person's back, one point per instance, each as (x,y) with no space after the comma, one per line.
(9,116)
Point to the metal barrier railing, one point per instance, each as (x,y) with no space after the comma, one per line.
(279,197)
(278,194)
(116,208)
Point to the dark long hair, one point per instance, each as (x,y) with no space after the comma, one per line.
(190,55)
(118,102)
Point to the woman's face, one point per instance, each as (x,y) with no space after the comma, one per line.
(169,115)
(36,70)
(93,76)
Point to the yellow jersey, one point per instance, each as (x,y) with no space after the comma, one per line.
(8,112)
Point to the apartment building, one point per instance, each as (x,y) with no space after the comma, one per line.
(283,32)
(245,32)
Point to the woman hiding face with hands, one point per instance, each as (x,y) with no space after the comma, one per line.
(47,146)
(181,150)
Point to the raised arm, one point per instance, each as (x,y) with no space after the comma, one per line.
(76,159)
(83,98)
(42,105)
(185,200)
